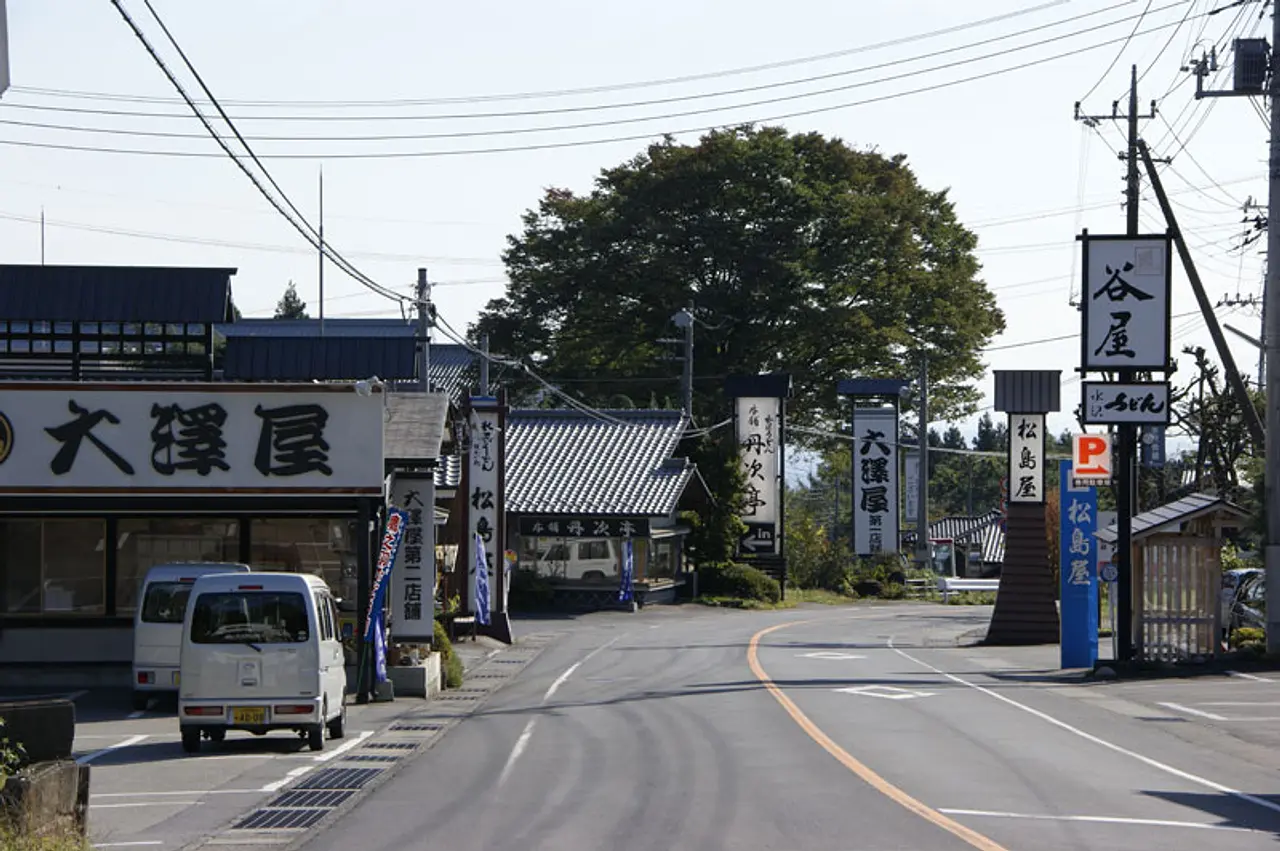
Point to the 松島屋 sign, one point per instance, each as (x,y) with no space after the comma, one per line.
(154,439)
(1026,457)
(1127,281)
(484,474)
(875,480)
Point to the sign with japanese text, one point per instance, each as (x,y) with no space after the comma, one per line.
(583,526)
(760,447)
(1145,402)
(158,439)
(484,475)
(1127,282)
(1153,447)
(4,50)
(414,577)
(1091,457)
(1078,571)
(911,486)
(1026,457)
(875,480)
(392,534)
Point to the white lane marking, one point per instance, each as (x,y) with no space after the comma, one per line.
(94,796)
(343,748)
(1141,822)
(1245,676)
(829,654)
(1178,707)
(523,741)
(128,844)
(521,744)
(1271,703)
(127,743)
(887,692)
(147,804)
(283,781)
(1089,737)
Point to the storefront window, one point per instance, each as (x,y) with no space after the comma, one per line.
(325,548)
(53,566)
(142,544)
(663,562)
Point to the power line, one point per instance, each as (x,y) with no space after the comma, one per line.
(1123,47)
(557,93)
(587,142)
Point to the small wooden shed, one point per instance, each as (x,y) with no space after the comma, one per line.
(1178,575)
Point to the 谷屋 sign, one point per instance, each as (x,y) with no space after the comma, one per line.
(156,439)
(1127,281)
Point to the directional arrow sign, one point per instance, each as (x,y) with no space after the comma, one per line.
(887,692)
(760,538)
(830,654)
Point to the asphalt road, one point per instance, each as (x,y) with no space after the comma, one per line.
(862,728)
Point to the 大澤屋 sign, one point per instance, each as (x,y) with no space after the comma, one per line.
(154,439)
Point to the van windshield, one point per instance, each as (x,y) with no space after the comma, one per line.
(166,602)
(259,617)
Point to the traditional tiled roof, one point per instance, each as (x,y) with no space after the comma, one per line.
(567,462)
(448,472)
(981,532)
(115,294)
(1176,512)
(414,426)
(453,370)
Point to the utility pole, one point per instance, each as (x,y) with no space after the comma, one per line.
(922,490)
(484,365)
(321,251)
(424,330)
(684,319)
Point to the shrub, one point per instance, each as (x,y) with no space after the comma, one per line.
(1249,640)
(452,665)
(46,840)
(530,591)
(728,579)
(12,756)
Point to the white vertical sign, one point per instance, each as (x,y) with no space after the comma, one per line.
(484,497)
(911,486)
(758,447)
(875,480)
(4,50)
(1127,281)
(1026,457)
(413,580)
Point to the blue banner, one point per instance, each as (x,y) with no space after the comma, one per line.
(391,536)
(482,583)
(628,572)
(1077,567)
(379,645)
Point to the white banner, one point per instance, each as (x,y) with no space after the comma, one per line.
(758,446)
(413,579)
(875,480)
(911,486)
(1127,281)
(158,439)
(1026,457)
(484,495)
(1146,403)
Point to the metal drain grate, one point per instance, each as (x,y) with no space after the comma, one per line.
(457,697)
(485,676)
(394,746)
(509,661)
(431,728)
(371,757)
(325,798)
(281,819)
(339,778)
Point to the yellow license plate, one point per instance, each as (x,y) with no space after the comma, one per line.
(177,675)
(249,715)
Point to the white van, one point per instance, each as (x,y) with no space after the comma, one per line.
(261,651)
(579,558)
(157,625)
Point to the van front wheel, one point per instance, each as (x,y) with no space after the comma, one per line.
(191,739)
(315,738)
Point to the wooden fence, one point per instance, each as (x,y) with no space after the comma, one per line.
(1179,610)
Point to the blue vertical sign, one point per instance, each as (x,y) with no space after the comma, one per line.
(1078,570)
(625,584)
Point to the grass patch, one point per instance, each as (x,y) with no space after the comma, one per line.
(66,840)
(452,665)
(742,603)
(972,598)
(819,595)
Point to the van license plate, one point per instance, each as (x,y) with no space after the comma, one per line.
(177,676)
(249,715)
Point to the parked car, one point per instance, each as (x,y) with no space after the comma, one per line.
(1246,600)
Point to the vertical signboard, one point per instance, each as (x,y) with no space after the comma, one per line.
(1026,457)
(875,480)
(414,577)
(1125,303)
(1078,570)
(4,51)
(484,473)
(760,448)
(911,486)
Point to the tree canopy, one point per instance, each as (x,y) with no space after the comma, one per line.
(799,254)
(291,305)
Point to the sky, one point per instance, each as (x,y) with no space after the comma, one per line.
(979,96)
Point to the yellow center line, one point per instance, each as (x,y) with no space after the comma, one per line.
(875,781)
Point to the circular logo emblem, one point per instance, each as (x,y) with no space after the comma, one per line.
(6,438)
(1110,573)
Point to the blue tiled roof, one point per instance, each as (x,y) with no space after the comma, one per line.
(567,462)
(453,369)
(115,294)
(294,350)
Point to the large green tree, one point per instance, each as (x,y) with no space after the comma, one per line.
(799,254)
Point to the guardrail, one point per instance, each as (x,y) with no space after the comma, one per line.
(949,585)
